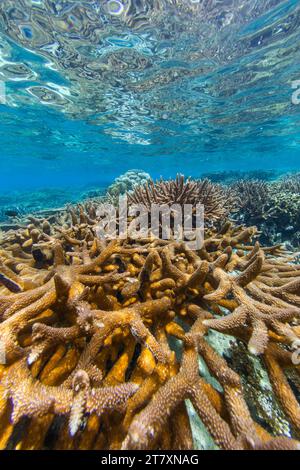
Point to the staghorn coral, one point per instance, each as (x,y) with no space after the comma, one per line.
(252,196)
(290,183)
(284,224)
(88,326)
(272,207)
(217,201)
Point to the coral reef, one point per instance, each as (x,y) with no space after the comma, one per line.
(88,328)
(253,197)
(127,183)
(273,207)
(230,177)
(17,204)
(218,201)
(290,183)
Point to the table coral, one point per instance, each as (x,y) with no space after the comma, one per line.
(88,327)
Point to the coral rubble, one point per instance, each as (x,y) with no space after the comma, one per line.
(88,327)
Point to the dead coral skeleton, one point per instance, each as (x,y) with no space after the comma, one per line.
(87,324)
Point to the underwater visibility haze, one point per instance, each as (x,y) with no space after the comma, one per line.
(146,343)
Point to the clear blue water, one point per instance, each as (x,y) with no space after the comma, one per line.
(94,88)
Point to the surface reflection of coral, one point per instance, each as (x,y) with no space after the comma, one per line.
(103,338)
(154,64)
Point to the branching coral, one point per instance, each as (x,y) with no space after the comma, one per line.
(290,183)
(89,328)
(273,207)
(217,201)
(252,196)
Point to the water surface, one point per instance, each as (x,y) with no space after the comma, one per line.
(94,88)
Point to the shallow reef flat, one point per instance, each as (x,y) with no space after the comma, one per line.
(267,199)
(17,204)
(147,344)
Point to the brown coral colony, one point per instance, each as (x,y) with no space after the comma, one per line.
(103,338)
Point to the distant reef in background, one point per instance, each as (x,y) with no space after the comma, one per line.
(264,198)
(228,177)
(21,203)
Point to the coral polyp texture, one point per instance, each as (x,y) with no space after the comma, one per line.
(114,344)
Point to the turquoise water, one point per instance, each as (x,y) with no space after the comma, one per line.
(94,88)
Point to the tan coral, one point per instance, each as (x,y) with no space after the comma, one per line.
(88,335)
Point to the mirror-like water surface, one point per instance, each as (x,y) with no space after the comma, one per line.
(128,326)
(93,88)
